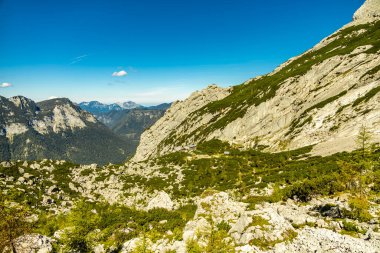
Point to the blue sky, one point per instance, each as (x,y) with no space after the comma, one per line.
(168,48)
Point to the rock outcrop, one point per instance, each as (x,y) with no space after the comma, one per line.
(34,243)
(370,10)
(161,200)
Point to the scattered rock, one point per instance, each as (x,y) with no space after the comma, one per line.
(34,243)
(323,240)
(161,200)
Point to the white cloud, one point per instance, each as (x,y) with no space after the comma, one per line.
(120,73)
(53,97)
(5,85)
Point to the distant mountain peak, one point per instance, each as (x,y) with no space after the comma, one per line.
(98,108)
(21,101)
(128,105)
(24,104)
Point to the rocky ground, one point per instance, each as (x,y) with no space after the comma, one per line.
(223,216)
(278,227)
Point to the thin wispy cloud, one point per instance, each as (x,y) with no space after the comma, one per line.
(52,97)
(78,59)
(5,85)
(119,73)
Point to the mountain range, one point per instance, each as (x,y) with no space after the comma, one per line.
(319,98)
(97,108)
(60,129)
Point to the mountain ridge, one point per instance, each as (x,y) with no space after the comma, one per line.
(97,108)
(295,104)
(55,129)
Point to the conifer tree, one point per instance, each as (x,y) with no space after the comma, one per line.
(13,223)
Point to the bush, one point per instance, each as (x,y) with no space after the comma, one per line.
(349,226)
(359,209)
(214,146)
(192,246)
(223,226)
(306,190)
(111,220)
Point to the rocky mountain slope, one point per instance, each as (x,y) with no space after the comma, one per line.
(55,129)
(319,98)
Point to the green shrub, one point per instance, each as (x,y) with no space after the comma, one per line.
(86,172)
(367,96)
(257,220)
(218,242)
(224,226)
(359,209)
(266,244)
(111,220)
(192,246)
(213,146)
(351,228)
